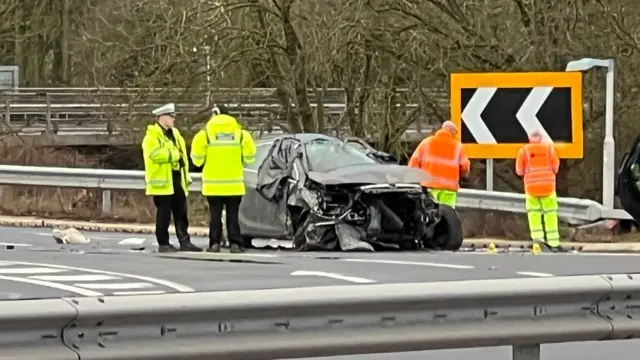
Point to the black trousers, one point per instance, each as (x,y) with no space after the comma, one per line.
(165,206)
(231,204)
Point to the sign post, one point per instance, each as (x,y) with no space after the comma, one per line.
(609,146)
(495,112)
(489,176)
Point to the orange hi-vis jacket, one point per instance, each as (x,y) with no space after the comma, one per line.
(443,158)
(538,163)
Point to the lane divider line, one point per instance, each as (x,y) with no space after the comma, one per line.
(414,263)
(150,292)
(352,279)
(115,286)
(533,273)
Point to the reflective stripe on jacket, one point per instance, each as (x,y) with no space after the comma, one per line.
(443,158)
(538,164)
(222,147)
(161,157)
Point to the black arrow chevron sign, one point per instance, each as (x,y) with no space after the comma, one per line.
(497,111)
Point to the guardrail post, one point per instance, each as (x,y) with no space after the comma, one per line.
(526,352)
(49,129)
(7,116)
(107,196)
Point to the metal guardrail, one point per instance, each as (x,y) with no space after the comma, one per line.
(326,321)
(581,210)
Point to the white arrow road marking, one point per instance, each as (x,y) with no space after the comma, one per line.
(530,107)
(63,268)
(333,276)
(473,120)
(30,270)
(59,278)
(52,285)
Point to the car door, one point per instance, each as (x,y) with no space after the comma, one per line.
(628,181)
(259,217)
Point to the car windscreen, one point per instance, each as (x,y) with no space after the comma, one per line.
(326,155)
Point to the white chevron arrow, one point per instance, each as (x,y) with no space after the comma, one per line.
(473,120)
(527,113)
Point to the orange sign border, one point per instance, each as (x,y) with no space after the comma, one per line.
(572,79)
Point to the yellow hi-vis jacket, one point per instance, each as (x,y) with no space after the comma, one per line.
(223,147)
(161,157)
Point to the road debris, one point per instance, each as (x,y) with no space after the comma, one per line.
(69,236)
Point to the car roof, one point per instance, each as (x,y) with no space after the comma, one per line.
(303,137)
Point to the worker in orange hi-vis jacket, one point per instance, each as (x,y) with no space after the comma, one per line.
(444,159)
(538,163)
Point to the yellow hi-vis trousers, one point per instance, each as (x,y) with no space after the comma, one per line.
(543,219)
(447,197)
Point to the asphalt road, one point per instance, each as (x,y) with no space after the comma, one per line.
(32,265)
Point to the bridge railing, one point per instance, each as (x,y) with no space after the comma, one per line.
(106,108)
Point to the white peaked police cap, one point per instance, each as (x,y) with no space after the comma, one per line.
(165,109)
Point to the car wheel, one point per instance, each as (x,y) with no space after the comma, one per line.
(447,234)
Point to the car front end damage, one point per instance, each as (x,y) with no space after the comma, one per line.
(365,217)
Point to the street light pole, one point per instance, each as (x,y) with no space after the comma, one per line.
(208,68)
(609,144)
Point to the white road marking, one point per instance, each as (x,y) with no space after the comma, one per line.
(30,270)
(132,241)
(533,273)
(74,277)
(150,292)
(167,283)
(415,263)
(114,286)
(52,285)
(352,279)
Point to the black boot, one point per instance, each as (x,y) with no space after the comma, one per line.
(188,246)
(546,248)
(235,249)
(215,248)
(167,249)
(557,249)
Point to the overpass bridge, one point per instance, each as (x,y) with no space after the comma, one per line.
(114,116)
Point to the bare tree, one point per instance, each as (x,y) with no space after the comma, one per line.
(391,60)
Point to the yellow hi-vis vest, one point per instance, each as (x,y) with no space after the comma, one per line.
(161,157)
(223,173)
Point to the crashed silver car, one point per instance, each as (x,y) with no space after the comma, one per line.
(316,192)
